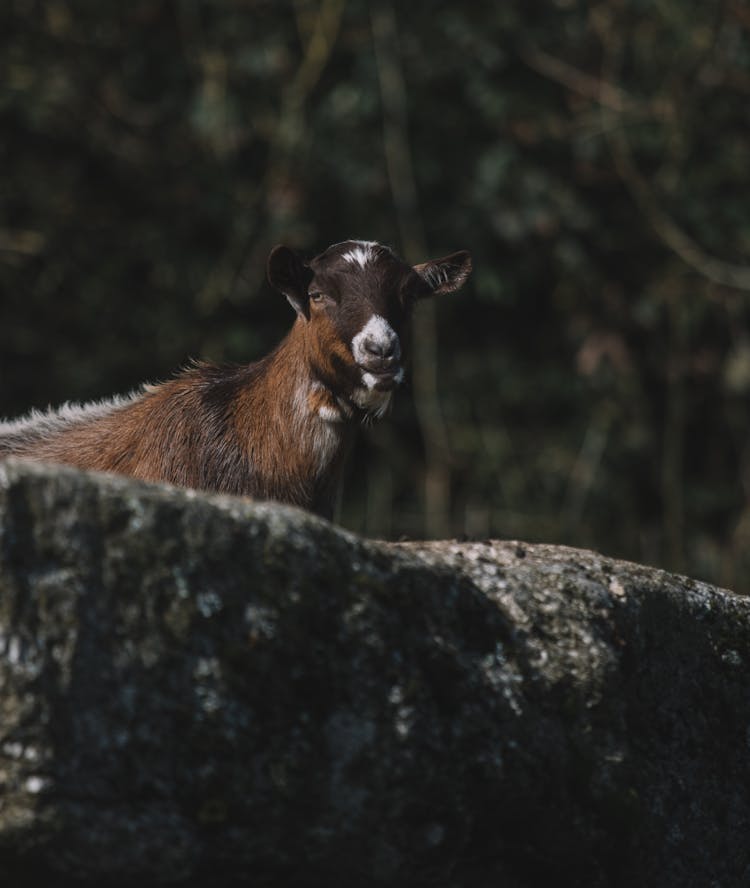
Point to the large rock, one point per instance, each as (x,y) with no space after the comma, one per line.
(204,690)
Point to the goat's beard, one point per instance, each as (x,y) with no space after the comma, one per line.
(372,402)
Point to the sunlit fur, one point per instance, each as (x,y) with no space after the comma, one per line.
(15,435)
(278,428)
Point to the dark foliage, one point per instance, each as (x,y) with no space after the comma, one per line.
(593,377)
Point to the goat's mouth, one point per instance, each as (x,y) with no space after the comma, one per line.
(382,379)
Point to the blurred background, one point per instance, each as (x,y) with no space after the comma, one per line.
(589,386)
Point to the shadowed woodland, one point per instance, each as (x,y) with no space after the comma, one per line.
(590,384)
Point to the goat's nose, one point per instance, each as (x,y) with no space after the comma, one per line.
(380,348)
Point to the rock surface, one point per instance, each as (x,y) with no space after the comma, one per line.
(206,691)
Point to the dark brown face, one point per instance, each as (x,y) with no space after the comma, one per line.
(358,298)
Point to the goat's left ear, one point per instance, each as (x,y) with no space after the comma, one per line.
(447,274)
(288,274)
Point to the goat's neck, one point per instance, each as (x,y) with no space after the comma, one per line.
(299,372)
(302,438)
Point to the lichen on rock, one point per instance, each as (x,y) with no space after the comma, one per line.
(203,690)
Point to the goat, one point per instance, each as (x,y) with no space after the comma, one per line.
(278,428)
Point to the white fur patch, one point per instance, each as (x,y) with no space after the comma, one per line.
(329,414)
(363,253)
(323,437)
(326,412)
(326,441)
(379,330)
(301,404)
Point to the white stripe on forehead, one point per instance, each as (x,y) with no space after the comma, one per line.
(363,253)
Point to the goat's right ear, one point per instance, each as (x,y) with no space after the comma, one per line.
(288,274)
(447,274)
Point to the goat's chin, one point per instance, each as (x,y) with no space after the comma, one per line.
(372,400)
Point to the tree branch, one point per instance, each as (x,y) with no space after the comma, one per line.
(614,103)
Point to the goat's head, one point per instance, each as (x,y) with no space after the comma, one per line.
(357,298)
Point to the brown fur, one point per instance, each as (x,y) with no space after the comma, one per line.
(276,429)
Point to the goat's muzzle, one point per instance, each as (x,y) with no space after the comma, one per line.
(377,351)
(385,373)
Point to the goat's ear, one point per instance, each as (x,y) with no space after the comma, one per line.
(447,274)
(288,274)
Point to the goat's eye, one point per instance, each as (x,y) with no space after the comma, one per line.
(317,297)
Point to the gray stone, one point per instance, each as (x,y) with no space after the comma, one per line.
(209,691)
